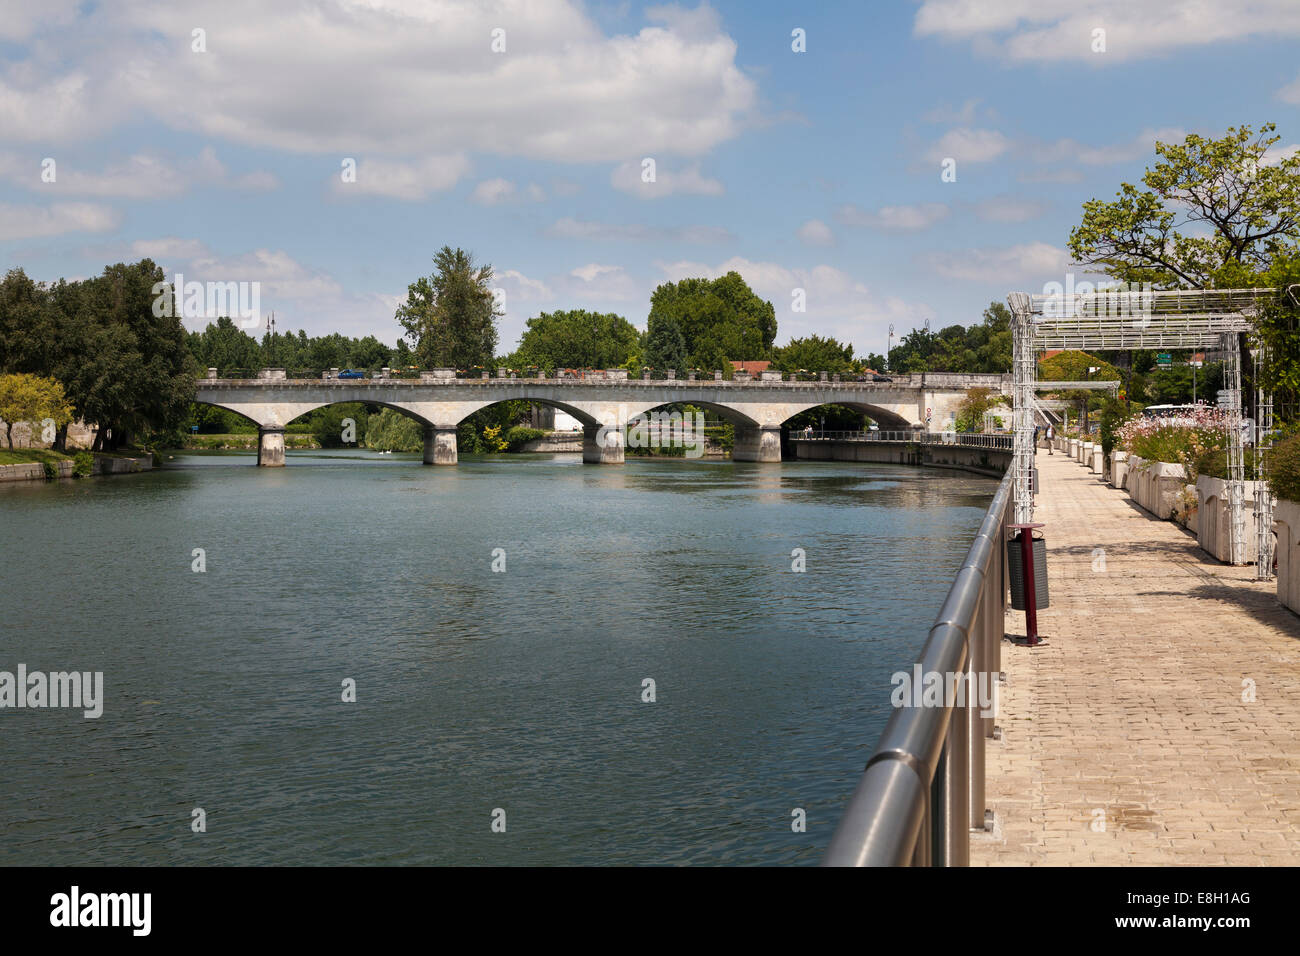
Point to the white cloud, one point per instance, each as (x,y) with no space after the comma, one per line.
(56,219)
(569,228)
(492,191)
(604,283)
(1142,145)
(1275,154)
(1032,261)
(392,76)
(1290,93)
(1056,30)
(402,180)
(893,218)
(517,284)
(23,17)
(170,249)
(836,303)
(967,145)
(687,181)
(142,176)
(814,232)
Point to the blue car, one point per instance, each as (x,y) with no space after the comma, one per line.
(351,373)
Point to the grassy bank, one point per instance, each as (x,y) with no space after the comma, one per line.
(23,456)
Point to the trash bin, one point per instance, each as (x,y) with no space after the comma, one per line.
(1016,572)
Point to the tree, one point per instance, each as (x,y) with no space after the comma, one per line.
(1072,365)
(814,354)
(31,398)
(450,316)
(720,319)
(122,367)
(665,346)
(971,409)
(1238,214)
(576,339)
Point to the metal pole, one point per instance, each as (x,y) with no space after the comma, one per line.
(952,799)
(978,678)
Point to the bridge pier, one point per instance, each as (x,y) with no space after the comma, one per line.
(757,444)
(602,445)
(270,447)
(439,446)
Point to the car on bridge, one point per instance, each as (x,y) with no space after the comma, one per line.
(351,373)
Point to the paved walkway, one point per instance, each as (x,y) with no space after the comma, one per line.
(1132,715)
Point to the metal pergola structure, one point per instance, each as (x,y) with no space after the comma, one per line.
(1206,319)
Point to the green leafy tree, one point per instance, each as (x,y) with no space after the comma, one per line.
(576,339)
(665,346)
(451,315)
(31,398)
(123,368)
(1211,208)
(971,409)
(814,354)
(1072,365)
(721,319)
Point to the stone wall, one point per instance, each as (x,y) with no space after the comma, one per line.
(80,435)
(1214,521)
(104,465)
(1286,525)
(1155,485)
(983,461)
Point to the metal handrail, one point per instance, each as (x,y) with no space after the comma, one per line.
(922,791)
(969,439)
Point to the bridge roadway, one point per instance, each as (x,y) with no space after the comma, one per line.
(757,409)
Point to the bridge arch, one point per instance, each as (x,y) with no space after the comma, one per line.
(888,420)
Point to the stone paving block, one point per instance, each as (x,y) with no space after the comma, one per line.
(1135,705)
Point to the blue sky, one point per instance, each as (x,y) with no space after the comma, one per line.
(816,170)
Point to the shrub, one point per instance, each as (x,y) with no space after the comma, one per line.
(83,464)
(1283,469)
(1213,463)
(51,469)
(392,431)
(1113,415)
(521,435)
(1184,440)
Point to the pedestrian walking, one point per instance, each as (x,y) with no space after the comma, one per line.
(1051,435)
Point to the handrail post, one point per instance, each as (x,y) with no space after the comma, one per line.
(978,679)
(951,801)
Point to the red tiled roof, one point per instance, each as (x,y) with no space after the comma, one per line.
(753,368)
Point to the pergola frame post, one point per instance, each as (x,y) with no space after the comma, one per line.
(1110,319)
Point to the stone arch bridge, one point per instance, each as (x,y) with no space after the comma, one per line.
(757,409)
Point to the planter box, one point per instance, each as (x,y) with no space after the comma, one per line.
(1214,521)
(1155,485)
(1118,468)
(1286,525)
(1085,454)
(1098,460)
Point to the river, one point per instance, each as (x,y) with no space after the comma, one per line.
(519,690)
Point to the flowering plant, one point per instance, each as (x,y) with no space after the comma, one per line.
(1180,439)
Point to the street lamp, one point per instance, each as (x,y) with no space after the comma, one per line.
(889,347)
(270,330)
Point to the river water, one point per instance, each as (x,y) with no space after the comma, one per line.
(518,690)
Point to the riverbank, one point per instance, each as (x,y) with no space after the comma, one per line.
(242,441)
(45,464)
